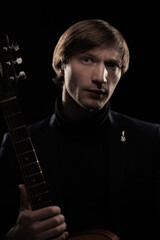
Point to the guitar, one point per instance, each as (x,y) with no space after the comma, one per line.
(28,161)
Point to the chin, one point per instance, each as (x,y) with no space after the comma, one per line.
(93,108)
(92,105)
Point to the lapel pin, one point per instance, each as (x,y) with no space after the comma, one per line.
(123,137)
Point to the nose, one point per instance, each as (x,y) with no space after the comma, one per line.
(100,74)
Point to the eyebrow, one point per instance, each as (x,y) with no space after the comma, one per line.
(88,54)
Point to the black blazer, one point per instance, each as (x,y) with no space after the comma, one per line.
(115,167)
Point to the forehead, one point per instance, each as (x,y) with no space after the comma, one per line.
(103,53)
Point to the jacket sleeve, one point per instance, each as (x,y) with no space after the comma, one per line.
(10,178)
(156,184)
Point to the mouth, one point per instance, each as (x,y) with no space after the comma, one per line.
(97,91)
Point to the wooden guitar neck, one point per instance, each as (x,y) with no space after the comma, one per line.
(25,152)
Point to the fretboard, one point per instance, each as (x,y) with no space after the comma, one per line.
(26,154)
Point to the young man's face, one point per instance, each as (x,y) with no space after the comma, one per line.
(91,77)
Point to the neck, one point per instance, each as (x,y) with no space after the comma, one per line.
(74,111)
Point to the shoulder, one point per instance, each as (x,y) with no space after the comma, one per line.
(36,130)
(41,132)
(43,124)
(42,129)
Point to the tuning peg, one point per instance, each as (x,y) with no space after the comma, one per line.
(11,78)
(21,75)
(5,49)
(18,61)
(15,46)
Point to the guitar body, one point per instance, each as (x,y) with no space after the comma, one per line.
(36,186)
(94,234)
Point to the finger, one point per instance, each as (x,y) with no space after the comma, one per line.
(63,236)
(53,232)
(51,222)
(47,212)
(24,201)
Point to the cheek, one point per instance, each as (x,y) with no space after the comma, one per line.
(74,76)
(67,73)
(70,81)
(115,78)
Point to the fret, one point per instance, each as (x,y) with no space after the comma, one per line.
(34,179)
(41,202)
(31,169)
(27,157)
(45,203)
(37,188)
(40,198)
(11,105)
(30,164)
(15,121)
(40,195)
(7,100)
(20,133)
(23,140)
(15,113)
(23,145)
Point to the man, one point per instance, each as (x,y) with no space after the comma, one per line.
(101,167)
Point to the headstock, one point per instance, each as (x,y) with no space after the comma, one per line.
(8,68)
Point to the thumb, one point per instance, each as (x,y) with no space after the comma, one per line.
(24,199)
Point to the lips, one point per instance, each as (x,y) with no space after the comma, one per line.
(97,91)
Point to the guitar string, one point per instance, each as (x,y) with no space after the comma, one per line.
(19,148)
(8,110)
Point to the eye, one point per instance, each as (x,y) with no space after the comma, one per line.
(112,65)
(86,60)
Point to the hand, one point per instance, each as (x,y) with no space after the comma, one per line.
(41,224)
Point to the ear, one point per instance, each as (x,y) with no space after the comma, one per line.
(61,72)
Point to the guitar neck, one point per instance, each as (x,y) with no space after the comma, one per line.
(25,152)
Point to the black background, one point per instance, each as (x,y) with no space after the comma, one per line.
(36,26)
